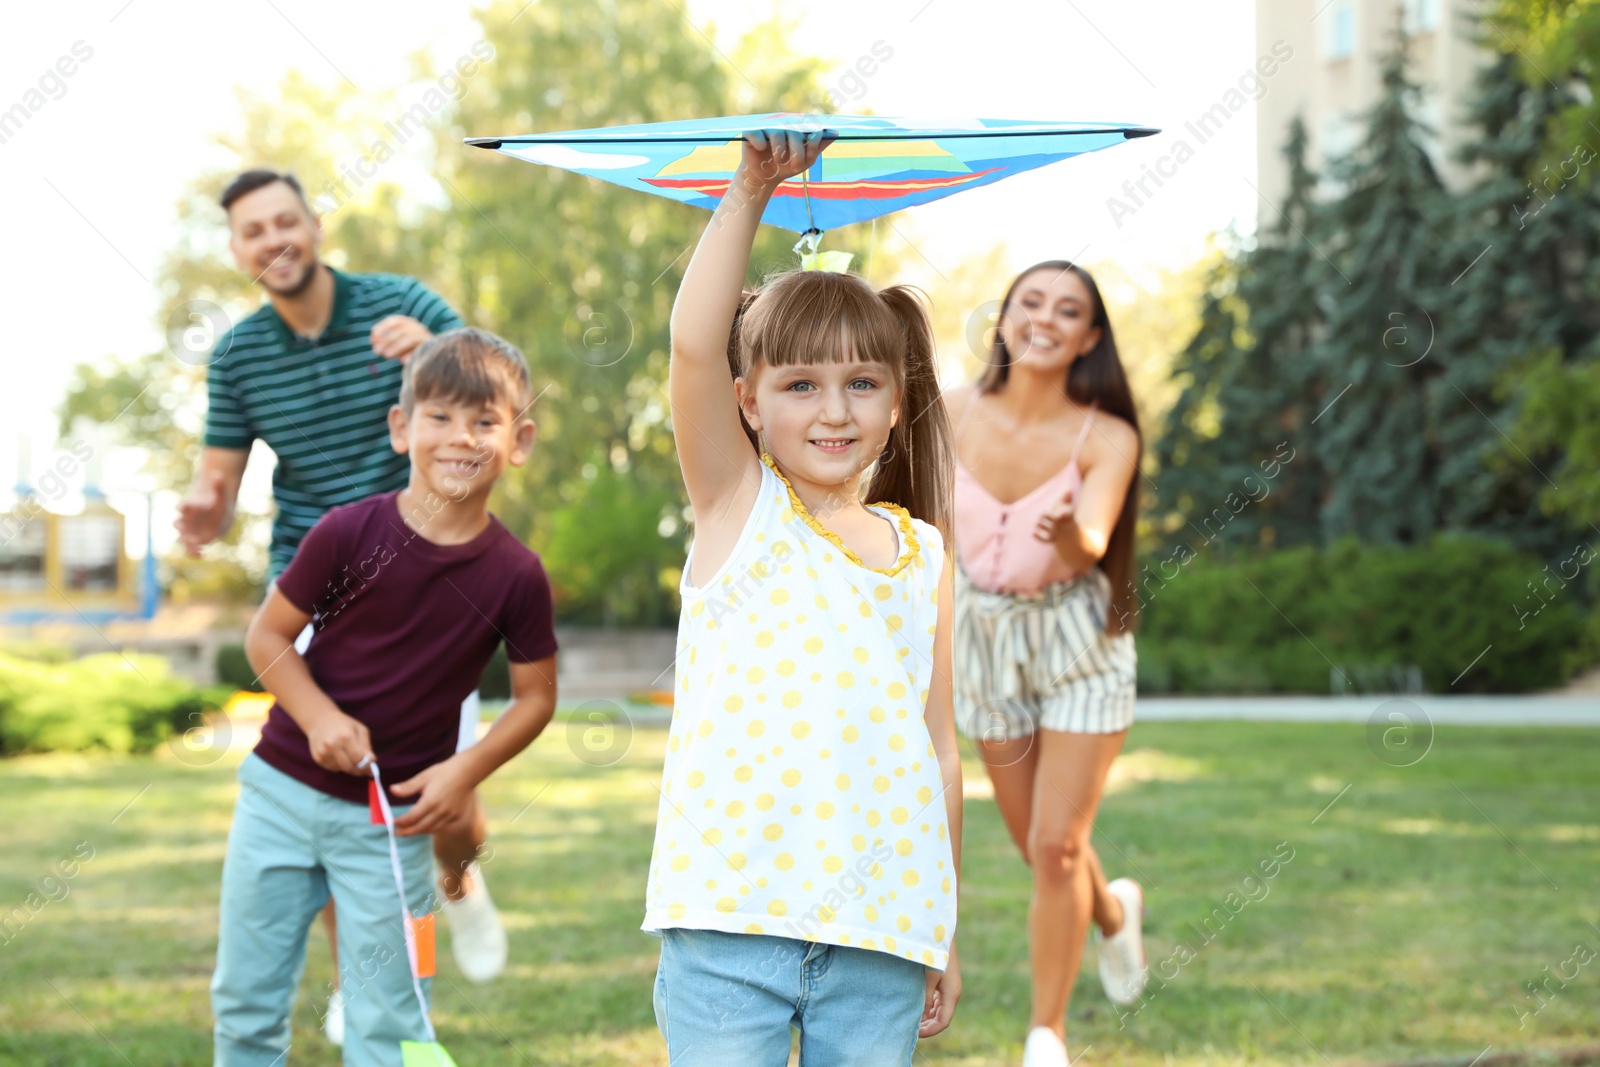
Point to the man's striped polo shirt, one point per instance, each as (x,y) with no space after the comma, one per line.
(322,404)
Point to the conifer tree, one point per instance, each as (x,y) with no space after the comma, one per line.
(1188,453)
(1529,323)
(1379,437)
(1278,387)
(1250,391)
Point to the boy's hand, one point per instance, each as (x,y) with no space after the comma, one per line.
(446,798)
(340,743)
(944,990)
(770,156)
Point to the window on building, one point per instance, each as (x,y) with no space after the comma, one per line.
(1421,16)
(22,552)
(89,551)
(1338,29)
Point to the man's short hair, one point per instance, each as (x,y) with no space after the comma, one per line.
(467,366)
(251,180)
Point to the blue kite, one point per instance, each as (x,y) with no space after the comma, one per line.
(876,165)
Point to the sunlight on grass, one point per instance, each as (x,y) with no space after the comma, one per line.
(1143,765)
(209,853)
(1128,770)
(1570,833)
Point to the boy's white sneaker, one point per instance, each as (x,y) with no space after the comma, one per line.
(1044,1049)
(333,1018)
(477,938)
(1123,970)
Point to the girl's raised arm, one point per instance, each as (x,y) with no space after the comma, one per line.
(713,451)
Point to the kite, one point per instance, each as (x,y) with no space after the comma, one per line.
(877,164)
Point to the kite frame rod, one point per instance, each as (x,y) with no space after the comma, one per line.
(722,138)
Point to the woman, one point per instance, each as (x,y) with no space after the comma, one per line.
(1048,443)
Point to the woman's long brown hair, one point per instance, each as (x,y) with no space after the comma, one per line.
(1095,378)
(811,317)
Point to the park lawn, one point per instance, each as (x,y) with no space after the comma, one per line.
(1405,923)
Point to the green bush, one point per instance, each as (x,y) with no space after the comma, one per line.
(111,701)
(1282,622)
(234,670)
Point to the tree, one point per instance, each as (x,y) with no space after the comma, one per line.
(155,402)
(1277,391)
(579,274)
(1245,422)
(1525,319)
(1383,443)
(1149,313)
(1187,454)
(582,276)
(1555,43)
(1434,359)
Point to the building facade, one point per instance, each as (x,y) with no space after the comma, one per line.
(1335,77)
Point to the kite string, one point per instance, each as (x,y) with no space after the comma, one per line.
(406,925)
(805,190)
(811,240)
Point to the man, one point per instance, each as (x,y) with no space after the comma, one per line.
(313,373)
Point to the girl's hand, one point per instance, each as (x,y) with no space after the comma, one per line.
(944,990)
(771,156)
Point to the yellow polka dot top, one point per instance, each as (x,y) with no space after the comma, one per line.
(800,795)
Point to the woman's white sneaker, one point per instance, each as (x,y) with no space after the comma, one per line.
(477,938)
(1044,1049)
(333,1018)
(1123,971)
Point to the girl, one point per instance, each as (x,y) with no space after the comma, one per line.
(808,837)
(1048,445)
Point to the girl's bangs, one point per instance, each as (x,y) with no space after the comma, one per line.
(808,318)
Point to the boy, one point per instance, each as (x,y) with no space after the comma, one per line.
(313,373)
(410,593)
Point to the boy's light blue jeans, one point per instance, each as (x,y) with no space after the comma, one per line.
(289,848)
(725,999)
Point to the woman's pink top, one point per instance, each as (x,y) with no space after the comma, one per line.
(995,541)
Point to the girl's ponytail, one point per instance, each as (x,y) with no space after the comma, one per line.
(917,468)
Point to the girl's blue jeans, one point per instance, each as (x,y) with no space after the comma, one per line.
(732,998)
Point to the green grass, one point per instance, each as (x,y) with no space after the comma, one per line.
(1405,926)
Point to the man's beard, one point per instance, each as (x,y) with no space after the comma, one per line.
(298,287)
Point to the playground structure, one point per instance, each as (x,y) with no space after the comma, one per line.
(68,582)
(56,566)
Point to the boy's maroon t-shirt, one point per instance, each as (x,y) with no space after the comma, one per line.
(403,630)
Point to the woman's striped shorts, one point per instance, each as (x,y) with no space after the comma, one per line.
(1041,661)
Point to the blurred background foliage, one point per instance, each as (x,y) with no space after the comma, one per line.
(1428,357)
